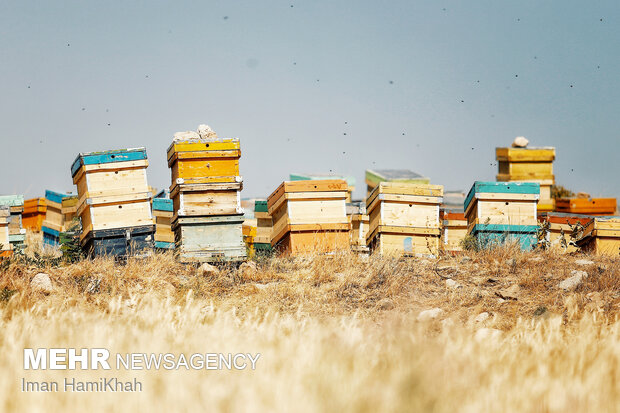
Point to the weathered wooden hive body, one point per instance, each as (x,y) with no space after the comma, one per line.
(205,192)
(602,236)
(330,176)
(404,218)
(15,203)
(403,176)
(6,249)
(497,212)
(453,230)
(529,165)
(264,226)
(34,214)
(359,231)
(563,228)
(163,212)
(587,206)
(56,216)
(309,217)
(114,202)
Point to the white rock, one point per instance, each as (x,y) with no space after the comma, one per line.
(186,136)
(574,281)
(208,270)
(41,282)
(431,314)
(520,142)
(488,333)
(452,284)
(584,262)
(482,317)
(206,132)
(248,269)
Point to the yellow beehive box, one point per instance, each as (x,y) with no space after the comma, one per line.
(310,216)
(113,191)
(453,230)
(204,161)
(602,236)
(404,218)
(207,199)
(34,214)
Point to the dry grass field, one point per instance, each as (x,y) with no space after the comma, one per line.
(335,333)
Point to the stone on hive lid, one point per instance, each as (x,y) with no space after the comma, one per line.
(206,132)
(520,142)
(186,136)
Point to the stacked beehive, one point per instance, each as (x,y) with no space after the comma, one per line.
(309,216)
(15,203)
(114,202)
(602,236)
(163,212)
(264,225)
(503,211)
(587,205)
(34,214)
(6,248)
(403,176)
(69,207)
(205,191)
(453,230)
(562,228)
(55,217)
(359,231)
(331,176)
(404,218)
(529,165)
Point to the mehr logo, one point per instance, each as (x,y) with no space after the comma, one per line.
(66,359)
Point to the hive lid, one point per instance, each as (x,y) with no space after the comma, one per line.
(260,206)
(501,187)
(394,175)
(327,185)
(57,197)
(162,204)
(113,156)
(12,200)
(318,176)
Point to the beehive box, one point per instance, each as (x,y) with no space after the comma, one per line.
(119,242)
(404,218)
(453,230)
(499,212)
(359,231)
(405,176)
(316,177)
(587,206)
(264,225)
(162,215)
(602,236)
(5,244)
(15,204)
(34,214)
(203,161)
(309,216)
(69,206)
(249,234)
(113,192)
(533,165)
(560,226)
(209,239)
(207,199)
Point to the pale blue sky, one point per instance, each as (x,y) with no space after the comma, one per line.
(291,81)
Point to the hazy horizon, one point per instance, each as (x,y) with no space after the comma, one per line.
(310,87)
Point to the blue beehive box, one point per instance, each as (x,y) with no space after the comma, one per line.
(163,212)
(500,212)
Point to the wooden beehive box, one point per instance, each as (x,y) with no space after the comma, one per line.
(162,215)
(5,244)
(405,176)
(34,214)
(15,204)
(560,228)
(119,242)
(316,177)
(602,236)
(309,216)
(249,234)
(404,218)
(69,207)
(207,199)
(264,226)
(359,231)
(587,206)
(497,212)
(209,239)
(201,161)
(453,230)
(113,192)
(529,165)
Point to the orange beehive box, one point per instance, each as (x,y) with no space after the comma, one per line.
(309,216)
(34,214)
(586,206)
(203,161)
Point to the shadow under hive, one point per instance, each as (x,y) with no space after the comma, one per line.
(114,202)
(404,218)
(205,191)
(499,212)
